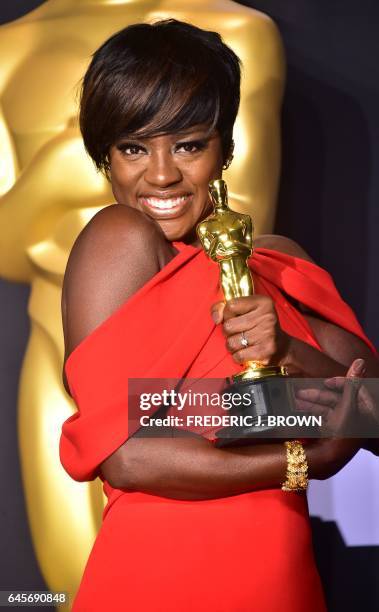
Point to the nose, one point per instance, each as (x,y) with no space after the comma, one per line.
(161,170)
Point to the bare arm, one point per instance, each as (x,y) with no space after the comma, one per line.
(340,349)
(111,259)
(192,468)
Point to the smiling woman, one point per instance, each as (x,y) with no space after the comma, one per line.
(169,121)
(157,112)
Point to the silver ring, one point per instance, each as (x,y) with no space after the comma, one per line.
(244,341)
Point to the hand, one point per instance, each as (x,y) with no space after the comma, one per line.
(338,404)
(367,400)
(346,407)
(255,316)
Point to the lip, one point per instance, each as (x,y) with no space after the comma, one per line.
(165,194)
(154,204)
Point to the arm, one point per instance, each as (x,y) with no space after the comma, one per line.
(111,259)
(192,468)
(211,244)
(340,349)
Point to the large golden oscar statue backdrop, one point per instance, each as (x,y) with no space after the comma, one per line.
(49,190)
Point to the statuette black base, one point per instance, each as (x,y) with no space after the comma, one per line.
(269,396)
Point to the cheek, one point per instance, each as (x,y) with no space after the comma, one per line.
(116,184)
(204,170)
(211,167)
(117,192)
(122,182)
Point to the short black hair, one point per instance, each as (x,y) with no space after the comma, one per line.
(158,78)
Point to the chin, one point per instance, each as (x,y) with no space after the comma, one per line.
(172,234)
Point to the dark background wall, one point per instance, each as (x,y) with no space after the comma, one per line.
(328,202)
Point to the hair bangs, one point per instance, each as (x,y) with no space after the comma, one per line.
(173,102)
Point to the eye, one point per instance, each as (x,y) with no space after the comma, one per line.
(192,146)
(129,148)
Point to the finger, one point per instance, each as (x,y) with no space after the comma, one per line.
(235,343)
(217,311)
(319,397)
(305,406)
(337,383)
(357,368)
(348,404)
(366,404)
(252,353)
(243,305)
(237,324)
(365,398)
(351,388)
(252,320)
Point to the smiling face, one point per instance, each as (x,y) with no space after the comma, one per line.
(167,176)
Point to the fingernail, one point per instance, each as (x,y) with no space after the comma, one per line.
(216,316)
(359,367)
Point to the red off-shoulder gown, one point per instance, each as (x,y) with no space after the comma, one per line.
(243,553)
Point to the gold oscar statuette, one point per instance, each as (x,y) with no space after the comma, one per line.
(227,238)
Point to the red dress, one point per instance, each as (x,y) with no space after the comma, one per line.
(243,553)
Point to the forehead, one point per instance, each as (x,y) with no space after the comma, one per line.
(195,131)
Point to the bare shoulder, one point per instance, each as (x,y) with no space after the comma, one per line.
(113,222)
(111,258)
(282,244)
(102,245)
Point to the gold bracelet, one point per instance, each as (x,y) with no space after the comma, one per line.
(297,467)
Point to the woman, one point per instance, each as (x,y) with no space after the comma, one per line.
(187,525)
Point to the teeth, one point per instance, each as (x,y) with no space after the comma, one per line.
(165,203)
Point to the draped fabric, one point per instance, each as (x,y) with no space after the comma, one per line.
(240,553)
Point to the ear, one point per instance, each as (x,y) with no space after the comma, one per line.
(230,156)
